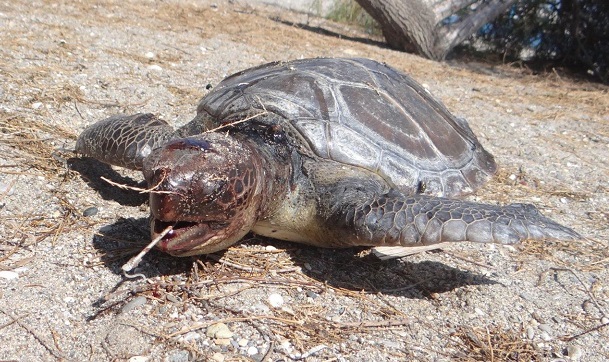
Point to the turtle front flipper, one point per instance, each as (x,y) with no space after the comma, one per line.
(124,140)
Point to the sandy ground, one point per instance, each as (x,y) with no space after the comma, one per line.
(66,64)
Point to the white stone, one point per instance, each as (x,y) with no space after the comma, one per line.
(219,330)
(191,336)
(218,357)
(275,300)
(574,352)
(8,275)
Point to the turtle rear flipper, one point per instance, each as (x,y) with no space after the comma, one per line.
(124,140)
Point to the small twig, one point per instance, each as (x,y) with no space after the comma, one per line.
(369,325)
(8,323)
(35,334)
(78,110)
(490,344)
(600,261)
(134,262)
(569,339)
(469,260)
(236,122)
(267,354)
(402,289)
(251,269)
(308,353)
(12,251)
(141,190)
(592,297)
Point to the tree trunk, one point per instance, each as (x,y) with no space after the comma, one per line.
(406,25)
(417,26)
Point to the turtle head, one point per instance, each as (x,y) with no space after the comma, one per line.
(206,187)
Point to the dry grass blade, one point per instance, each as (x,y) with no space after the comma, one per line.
(493,344)
(31,141)
(594,253)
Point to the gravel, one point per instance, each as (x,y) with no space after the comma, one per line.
(65,232)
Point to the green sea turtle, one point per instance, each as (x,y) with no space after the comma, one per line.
(328,152)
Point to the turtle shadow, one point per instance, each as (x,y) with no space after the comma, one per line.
(91,171)
(345,269)
(120,241)
(339,268)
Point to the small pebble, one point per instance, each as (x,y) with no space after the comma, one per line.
(311,294)
(260,308)
(133,303)
(178,355)
(390,344)
(545,336)
(218,357)
(149,55)
(8,275)
(36,105)
(275,300)
(218,330)
(222,341)
(90,211)
(530,332)
(574,352)
(6,189)
(604,320)
(545,327)
(286,345)
(156,68)
(191,336)
(138,359)
(252,351)
(243,342)
(172,298)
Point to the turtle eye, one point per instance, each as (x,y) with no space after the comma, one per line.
(156,177)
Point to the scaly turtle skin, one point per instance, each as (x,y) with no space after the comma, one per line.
(332,153)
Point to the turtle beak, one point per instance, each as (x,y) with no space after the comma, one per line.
(194,238)
(183,238)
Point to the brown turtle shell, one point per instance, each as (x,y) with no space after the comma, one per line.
(362,113)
